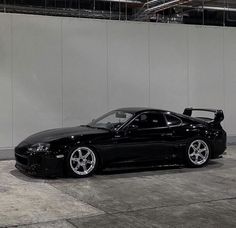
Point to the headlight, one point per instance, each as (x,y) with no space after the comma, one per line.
(39,147)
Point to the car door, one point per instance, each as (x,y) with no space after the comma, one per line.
(177,141)
(144,139)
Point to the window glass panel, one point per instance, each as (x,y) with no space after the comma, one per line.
(150,120)
(172,120)
(111,120)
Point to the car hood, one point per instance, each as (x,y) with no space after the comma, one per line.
(59,133)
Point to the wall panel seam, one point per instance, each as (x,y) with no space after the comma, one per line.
(223,74)
(107,65)
(149,67)
(12,81)
(62,74)
(188,69)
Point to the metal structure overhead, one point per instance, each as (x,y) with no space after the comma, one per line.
(208,12)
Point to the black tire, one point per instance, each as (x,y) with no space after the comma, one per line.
(198,153)
(78,165)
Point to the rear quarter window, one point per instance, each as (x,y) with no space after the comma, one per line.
(172,120)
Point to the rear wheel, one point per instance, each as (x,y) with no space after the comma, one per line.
(81,162)
(198,153)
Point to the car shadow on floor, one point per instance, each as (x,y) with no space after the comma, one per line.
(28,178)
(124,172)
(159,170)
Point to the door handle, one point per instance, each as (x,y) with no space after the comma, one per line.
(117,136)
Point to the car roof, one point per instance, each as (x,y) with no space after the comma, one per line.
(134,110)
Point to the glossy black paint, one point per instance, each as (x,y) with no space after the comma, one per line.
(124,145)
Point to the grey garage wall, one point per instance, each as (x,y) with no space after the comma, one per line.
(58,72)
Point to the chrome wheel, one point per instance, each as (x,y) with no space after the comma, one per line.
(82,161)
(198,152)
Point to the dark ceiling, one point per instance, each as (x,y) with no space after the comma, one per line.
(207,12)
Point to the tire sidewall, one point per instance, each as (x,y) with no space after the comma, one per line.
(188,162)
(69,170)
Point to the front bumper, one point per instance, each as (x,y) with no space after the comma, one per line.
(40,165)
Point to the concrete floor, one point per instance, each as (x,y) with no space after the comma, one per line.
(173,197)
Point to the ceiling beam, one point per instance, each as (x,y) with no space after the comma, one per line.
(166,5)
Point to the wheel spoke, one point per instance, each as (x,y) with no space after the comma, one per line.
(84,168)
(198,145)
(192,153)
(80,153)
(90,162)
(86,155)
(202,150)
(193,147)
(197,156)
(201,156)
(77,166)
(74,159)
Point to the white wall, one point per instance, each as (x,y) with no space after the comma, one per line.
(169,67)
(229,59)
(37,73)
(206,79)
(84,67)
(127,64)
(58,72)
(5,82)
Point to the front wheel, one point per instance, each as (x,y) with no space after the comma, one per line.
(81,162)
(198,153)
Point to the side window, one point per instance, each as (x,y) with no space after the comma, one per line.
(172,120)
(150,120)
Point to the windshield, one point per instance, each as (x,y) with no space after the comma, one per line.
(111,120)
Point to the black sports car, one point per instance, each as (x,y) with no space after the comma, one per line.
(124,136)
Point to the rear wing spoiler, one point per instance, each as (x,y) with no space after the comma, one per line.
(219,114)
